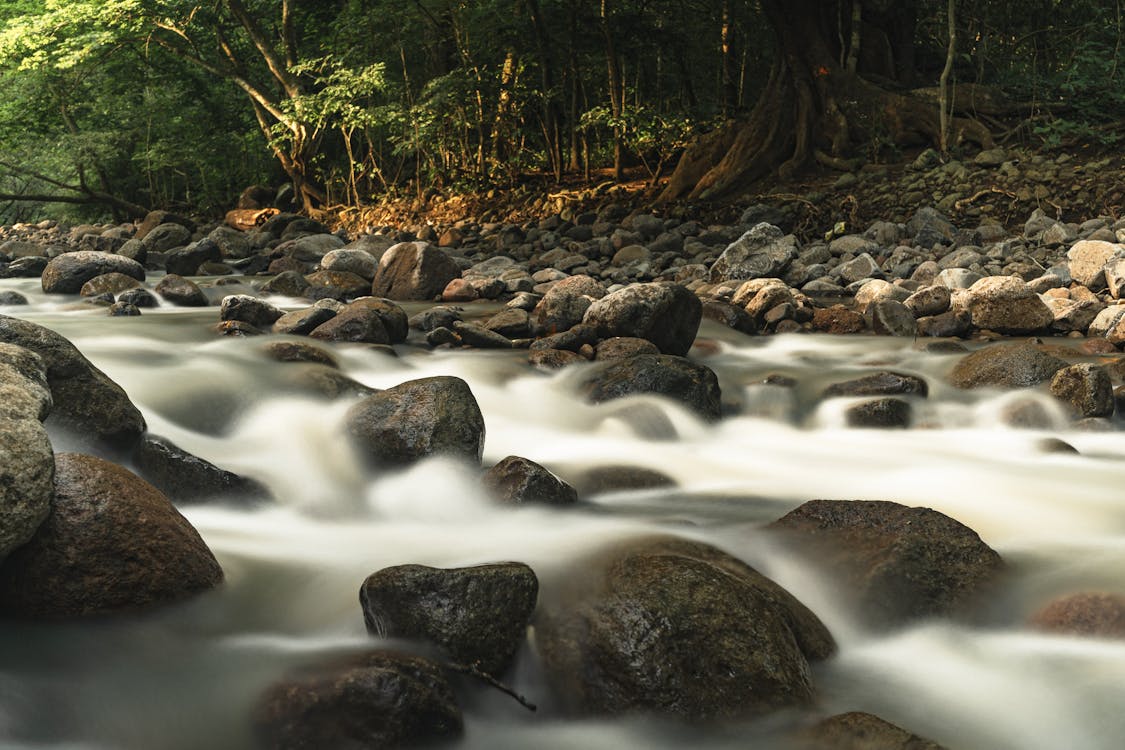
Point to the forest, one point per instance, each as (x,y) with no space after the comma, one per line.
(112,108)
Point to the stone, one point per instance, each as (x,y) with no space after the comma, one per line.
(13,299)
(27,471)
(299,351)
(676,628)
(880,413)
(1005,304)
(930,300)
(349,260)
(730,315)
(623,347)
(459,290)
(413,271)
(393,317)
(377,700)
(186,261)
(164,237)
(1087,259)
(838,320)
(954,323)
(181,292)
(112,283)
(90,407)
(861,267)
(957,278)
(692,384)
(897,564)
(511,322)
(991,157)
(111,543)
(417,419)
(879,384)
(763,251)
(153,219)
(477,616)
(339,285)
(888,317)
(1085,388)
(186,478)
(858,731)
(520,481)
(480,337)
(357,325)
(249,309)
(67,273)
(1109,324)
(565,304)
(304,321)
(288,284)
(1094,614)
(667,314)
(1005,366)
(877,290)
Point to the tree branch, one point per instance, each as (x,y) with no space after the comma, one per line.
(276,66)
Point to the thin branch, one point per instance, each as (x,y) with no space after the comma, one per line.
(276,66)
(473,670)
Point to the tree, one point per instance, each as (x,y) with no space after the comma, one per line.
(813,107)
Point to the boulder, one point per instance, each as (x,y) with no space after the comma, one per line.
(1096,614)
(666,314)
(186,478)
(857,269)
(519,481)
(304,321)
(1005,304)
(880,413)
(27,471)
(692,384)
(249,309)
(888,317)
(479,337)
(895,563)
(393,317)
(112,283)
(358,325)
(676,628)
(931,300)
(1109,324)
(1087,259)
(565,304)
(859,731)
(1005,366)
(181,292)
(416,419)
(477,616)
(838,320)
(623,347)
(86,403)
(763,251)
(164,237)
(185,261)
(1085,388)
(288,284)
(341,285)
(111,542)
(413,271)
(879,384)
(153,219)
(377,700)
(350,260)
(67,273)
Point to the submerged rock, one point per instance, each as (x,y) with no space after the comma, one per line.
(859,731)
(692,384)
(519,481)
(186,478)
(1005,366)
(1100,615)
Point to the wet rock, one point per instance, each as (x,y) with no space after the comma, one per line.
(692,384)
(879,384)
(86,403)
(304,321)
(27,470)
(357,325)
(123,310)
(112,283)
(1006,305)
(249,309)
(862,267)
(378,700)
(838,320)
(181,292)
(896,563)
(859,731)
(393,317)
(623,347)
(597,479)
(880,413)
(111,542)
(565,304)
(413,271)
(732,316)
(477,616)
(553,359)
(186,478)
(1085,388)
(676,628)
(440,316)
(1005,366)
(186,261)
(67,273)
(1109,324)
(10,298)
(164,237)
(1100,615)
(520,481)
(1073,315)
(288,284)
(666,314)
(763,251)
(298,351)
(416,419)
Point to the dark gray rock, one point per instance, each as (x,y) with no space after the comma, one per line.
(859,731)
(111,283)
(287,284)
(477,616)
(1085,388)
(480,337)
(249,309)
(185,261)
(888,317)
(413,271)
(181,292)
(666,314)
(879,384)
(880,413)
(164,237)
(764,251)
(305,321)
(27,471)
(692,384)
(359,325)
(1005,366)
(393,317)
(520,481)
(186,478)
(66,273)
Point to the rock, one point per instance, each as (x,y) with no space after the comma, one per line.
(954,323)
(512,323)
(164,237)
(838,320)
(1099,615)
(880,413)
(931,300)
(185,478)
(249,309)
(859,731)
(1085,388)
(336,285)
(888,317)
(459,290)
(288,284)
(1073,315)
(565,304)
(897,563)
(416,419)
(730,315)
(358,325)
(1109,324)
(929,227)
(111,283)
(93,409)
(480,337)
(877,290)
(350,260)
(378,700)
(153,219)
(520,481)
(613,478)
(27,471)
(413,271)
(690,383)
(763,251)
(1087,259)
(393,317)
(477,616)
(623,347)
(185,261)
(24,390)
(992,157)
(862,267)
(676,628)
(957,278)
(1005,304)
(553,359)
(298,351)
(666,314)
(67,273)
(181,292)
(879,384)
(13,299)
(111,542)
(1005,366)
(304,321)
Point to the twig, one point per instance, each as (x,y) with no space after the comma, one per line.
(472,670)
(960,205)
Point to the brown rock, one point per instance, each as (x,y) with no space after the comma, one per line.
(1094,614)
(838,320)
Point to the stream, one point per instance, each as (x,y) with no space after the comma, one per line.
(187,676)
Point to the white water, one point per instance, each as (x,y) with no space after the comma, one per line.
(187,676)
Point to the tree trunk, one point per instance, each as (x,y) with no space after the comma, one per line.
(616,92)
(811,104)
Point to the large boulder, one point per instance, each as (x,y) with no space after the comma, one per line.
(111,542)
(416,419)
(565,304)
(666,314)
(677,628)
(358,325)
(377,700)
(692,384)
(884,383)
(27,470)
(477,616)
(763,251)
(1006,304)
(94,409)
(520,481)
(66,273)
(413,271)
(1005,366)
(895,563)
(1085,388)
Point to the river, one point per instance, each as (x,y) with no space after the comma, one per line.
(187,676)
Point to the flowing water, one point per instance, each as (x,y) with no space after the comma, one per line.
(187,676)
